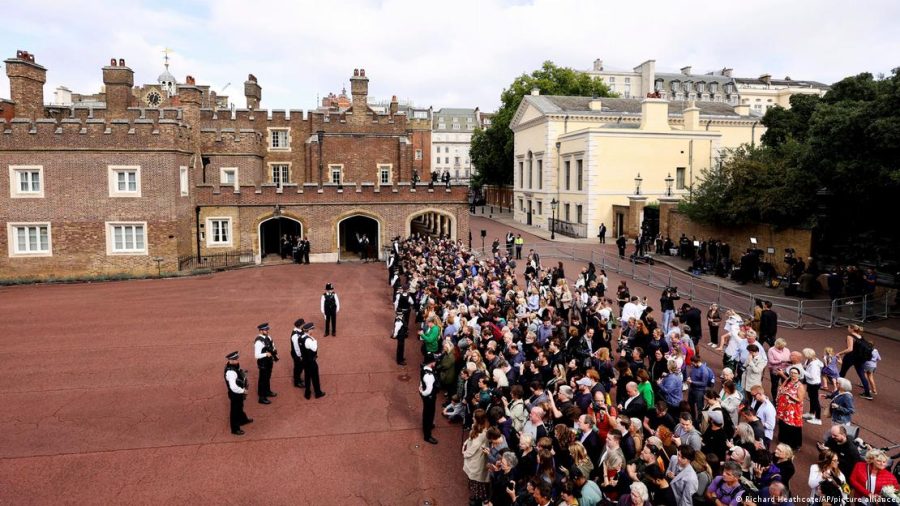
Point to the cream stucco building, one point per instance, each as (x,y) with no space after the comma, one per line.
(586,153)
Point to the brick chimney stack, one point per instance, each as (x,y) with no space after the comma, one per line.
(253,92)
(118,80)
(395,106)
(190,96)
(26,85)
(359,89)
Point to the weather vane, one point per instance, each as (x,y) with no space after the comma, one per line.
(166,52)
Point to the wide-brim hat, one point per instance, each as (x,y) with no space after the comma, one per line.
(233,355)
(309,326)
(263,326)
(299,322)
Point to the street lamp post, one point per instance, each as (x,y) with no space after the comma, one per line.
(637,184)
(669,180)
(553,205)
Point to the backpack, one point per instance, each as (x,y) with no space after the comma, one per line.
(863,349)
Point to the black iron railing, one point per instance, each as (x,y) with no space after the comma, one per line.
(566,228)
(215,260)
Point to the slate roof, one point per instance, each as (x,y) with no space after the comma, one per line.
(552,104)
(783,82)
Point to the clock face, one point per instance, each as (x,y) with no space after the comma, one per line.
(153,98)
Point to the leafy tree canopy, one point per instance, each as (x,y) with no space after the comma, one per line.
(830,162)
(492,148)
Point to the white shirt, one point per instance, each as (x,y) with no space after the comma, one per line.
(813,372)
(231,377)
(428,379)
(311,344)
(397,326)
(258,349)
(766,414)
(295,341)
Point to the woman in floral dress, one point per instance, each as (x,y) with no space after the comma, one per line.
(789,409)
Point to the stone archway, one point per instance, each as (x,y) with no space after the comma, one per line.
(350,229)
(433,222)
(270,231)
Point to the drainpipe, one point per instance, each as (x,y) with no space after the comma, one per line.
(753,134)
(197,217)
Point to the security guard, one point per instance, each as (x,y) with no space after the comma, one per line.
(428,391)
(330,305)
(401,331)
(266,356)
(297,352)
(310,361)
(236,383)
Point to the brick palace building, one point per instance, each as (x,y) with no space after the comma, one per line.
(164,176)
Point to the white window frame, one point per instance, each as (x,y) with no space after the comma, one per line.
(110,239)
(15,191)
(113,174)
(382,167)
(13,239)
(225,170)
(211,241)
(184,180)
(287,176)
(287,136)
(331,171)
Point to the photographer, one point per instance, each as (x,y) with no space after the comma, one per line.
(667,306)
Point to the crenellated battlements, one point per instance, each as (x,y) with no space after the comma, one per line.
(145,131)
(233,140)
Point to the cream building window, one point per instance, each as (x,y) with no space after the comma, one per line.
(29,240)
(418,154)
(568,174)
(679,178)
(218,232)
(540,174)
(540,207)
(279,139)
(26,181)
(124,180)
(579,175)
(126,238)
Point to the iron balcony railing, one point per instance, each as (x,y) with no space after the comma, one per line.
(567,228)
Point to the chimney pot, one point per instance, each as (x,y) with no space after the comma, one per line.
(121,62)
(112,62)
(355,72)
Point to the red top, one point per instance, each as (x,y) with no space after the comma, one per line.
(788,410)
(859,480)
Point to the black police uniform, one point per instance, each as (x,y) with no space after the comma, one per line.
(401,332)
(429,400)
(310,362)
(265,364)
(236,416)
(297,345)
(329,306)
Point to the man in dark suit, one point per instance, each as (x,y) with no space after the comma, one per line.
(588,436)
(634,406)
(621,242)
(768,324)
(692,317)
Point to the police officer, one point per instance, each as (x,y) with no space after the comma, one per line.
(297,352)
(403,302)
(236,383)
(310,361)
(266,356)
(401,331)
(330,305)
(428,391)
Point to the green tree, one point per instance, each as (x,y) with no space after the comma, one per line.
(492,148)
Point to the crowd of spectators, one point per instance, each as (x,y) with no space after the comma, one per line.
(570,393)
